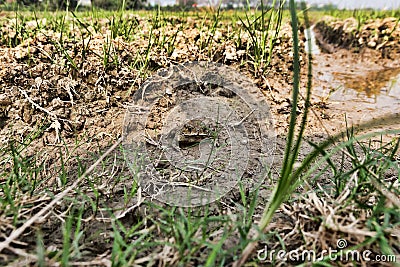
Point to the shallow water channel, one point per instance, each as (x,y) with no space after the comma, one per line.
(355,87)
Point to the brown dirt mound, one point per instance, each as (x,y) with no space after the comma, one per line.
(382,35)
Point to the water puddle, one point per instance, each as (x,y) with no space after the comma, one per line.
(378,89)
(310,37)
(354,85)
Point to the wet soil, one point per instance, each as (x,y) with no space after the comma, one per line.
(359,74)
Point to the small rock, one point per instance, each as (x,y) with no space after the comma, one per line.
(372,44)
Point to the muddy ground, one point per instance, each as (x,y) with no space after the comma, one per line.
(81,109)
(358,69)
